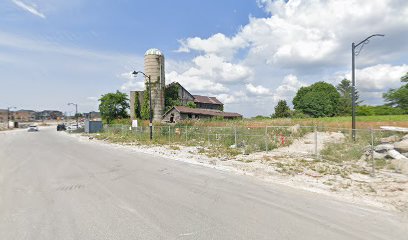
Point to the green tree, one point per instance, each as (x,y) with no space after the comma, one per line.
(404,78)
(113,106)
(145,112)
(345,89)
(398,97)
(171,96)
(282,110)
(320,99)
(137,106)
(191,104)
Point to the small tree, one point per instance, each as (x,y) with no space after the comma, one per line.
(113,106)
(398,97)
(145,112)
(345,90)
(404,78)
(171,96)
(320,99)
(282,110)
(137,106)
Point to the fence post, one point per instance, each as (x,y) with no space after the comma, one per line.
(235,137)
(315,140)
(372,153)
(208,135)
(266,139)
(169,135)
(186,129)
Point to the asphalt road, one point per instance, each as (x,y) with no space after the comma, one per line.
(53,186)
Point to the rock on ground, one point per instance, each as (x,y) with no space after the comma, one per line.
(382,148)
(402,146)
(295,128)
(396,155)
(390,139)
(402,165)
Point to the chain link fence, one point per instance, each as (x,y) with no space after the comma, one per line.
(375,147)
(3,125)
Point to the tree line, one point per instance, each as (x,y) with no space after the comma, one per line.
(322,99)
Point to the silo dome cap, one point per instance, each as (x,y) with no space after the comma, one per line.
(154,51)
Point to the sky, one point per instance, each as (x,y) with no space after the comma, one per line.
(248,53)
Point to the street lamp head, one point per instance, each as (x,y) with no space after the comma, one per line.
(135,73)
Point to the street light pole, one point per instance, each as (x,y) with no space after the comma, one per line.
(353,80)
(76,112)
(353,93)
(150,102)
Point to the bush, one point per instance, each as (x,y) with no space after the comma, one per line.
(121,121)
(260,117)
(298,114)
(378,110)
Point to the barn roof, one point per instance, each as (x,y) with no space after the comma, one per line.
(208,112)
(206,99)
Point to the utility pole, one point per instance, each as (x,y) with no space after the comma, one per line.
(150,102)
(76,112)
(353,80)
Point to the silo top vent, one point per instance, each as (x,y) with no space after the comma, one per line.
(153,51)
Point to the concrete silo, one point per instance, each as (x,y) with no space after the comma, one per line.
(154,67)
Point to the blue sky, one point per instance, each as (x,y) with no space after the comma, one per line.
(248,53)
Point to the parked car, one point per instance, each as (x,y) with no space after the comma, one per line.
(33,128)
(72,127)
(61,127)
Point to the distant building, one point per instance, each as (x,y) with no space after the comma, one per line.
(208,102)
(49,115)
(24,115)
(184,96)
(3,115)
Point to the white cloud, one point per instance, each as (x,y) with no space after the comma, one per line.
(318,33)
(310,39)
(29,8)
(132,86)
(234,98)
(379,77)
(196,84)
(217,69)
(216,44)
(208,74)
(287,90)
(257,90)
(131,82)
